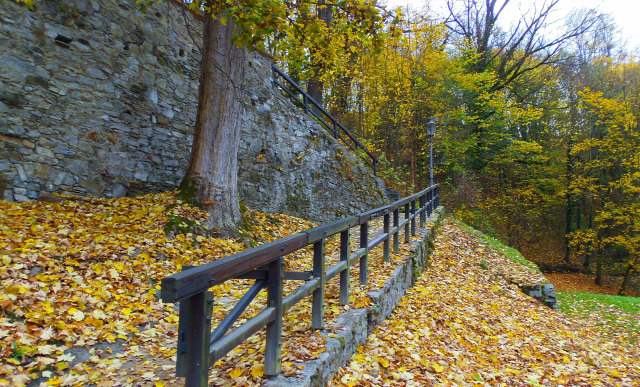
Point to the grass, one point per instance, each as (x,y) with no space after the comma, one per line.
(619,315)
(589,302)
(494,243)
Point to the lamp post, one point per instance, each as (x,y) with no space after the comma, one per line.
(431,131)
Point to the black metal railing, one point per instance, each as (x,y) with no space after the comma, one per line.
(199,348)
(324,117)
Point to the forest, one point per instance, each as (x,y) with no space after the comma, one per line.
(537,122)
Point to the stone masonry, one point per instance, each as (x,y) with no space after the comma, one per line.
(98,98)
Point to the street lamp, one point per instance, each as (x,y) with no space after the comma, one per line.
(431,131)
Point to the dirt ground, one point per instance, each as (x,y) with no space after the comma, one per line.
(577,282)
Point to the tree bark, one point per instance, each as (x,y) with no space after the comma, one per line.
(212,175)
(627,279)
(315,87)
(599,269)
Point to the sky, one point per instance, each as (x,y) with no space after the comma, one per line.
(626,13)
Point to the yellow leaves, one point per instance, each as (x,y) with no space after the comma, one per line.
(76,314)
(481,330)
(126,311)
(46,349)
(257,371)
(98,314)
(236,372)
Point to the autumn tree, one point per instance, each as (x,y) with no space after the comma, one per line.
(608,170)
(229,28)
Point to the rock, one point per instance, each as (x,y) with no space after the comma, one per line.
(79,168)
(20,198)
(392,194)
(34,271)
(44,196)
(21,173)
(118,191)
(544,293)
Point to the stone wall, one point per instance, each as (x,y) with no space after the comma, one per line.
(99,99)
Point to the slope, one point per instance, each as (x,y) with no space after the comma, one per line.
(467,323)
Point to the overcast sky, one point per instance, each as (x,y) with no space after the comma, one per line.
(625,12)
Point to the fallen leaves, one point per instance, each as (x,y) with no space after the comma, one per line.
(76,274)
(468,324)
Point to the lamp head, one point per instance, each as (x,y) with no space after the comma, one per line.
(431,127)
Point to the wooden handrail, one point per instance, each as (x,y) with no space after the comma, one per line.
(333,125)
(198,349)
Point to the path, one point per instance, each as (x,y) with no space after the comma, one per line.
(464,323)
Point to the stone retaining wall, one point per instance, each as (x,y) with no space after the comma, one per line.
(99,99)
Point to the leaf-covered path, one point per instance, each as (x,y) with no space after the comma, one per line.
(465,322)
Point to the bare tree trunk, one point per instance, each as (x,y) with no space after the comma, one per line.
(570,206)
(212,175)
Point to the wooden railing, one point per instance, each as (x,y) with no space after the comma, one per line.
(199,348)
(324,117)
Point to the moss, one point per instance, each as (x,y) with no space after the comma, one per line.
(13,99)
(37,81)
(180,225)
(188,193)
(297,204)
(272,220)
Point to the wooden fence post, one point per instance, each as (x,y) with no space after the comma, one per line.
(396,235)
(317,308)
(407,225)
(273,347)
(345,250)
(364,261)
(195,331)
(413,219)
(387,242)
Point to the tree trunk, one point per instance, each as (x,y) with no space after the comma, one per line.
(212,175)
(599,273)
(570,206)
(315,87)
(627,279)
(589,256)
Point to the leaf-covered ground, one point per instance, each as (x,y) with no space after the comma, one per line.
(466,323)
(87,271)
(79,284)
(78,298)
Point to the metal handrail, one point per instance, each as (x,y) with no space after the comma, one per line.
(199,348)
(339,131)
